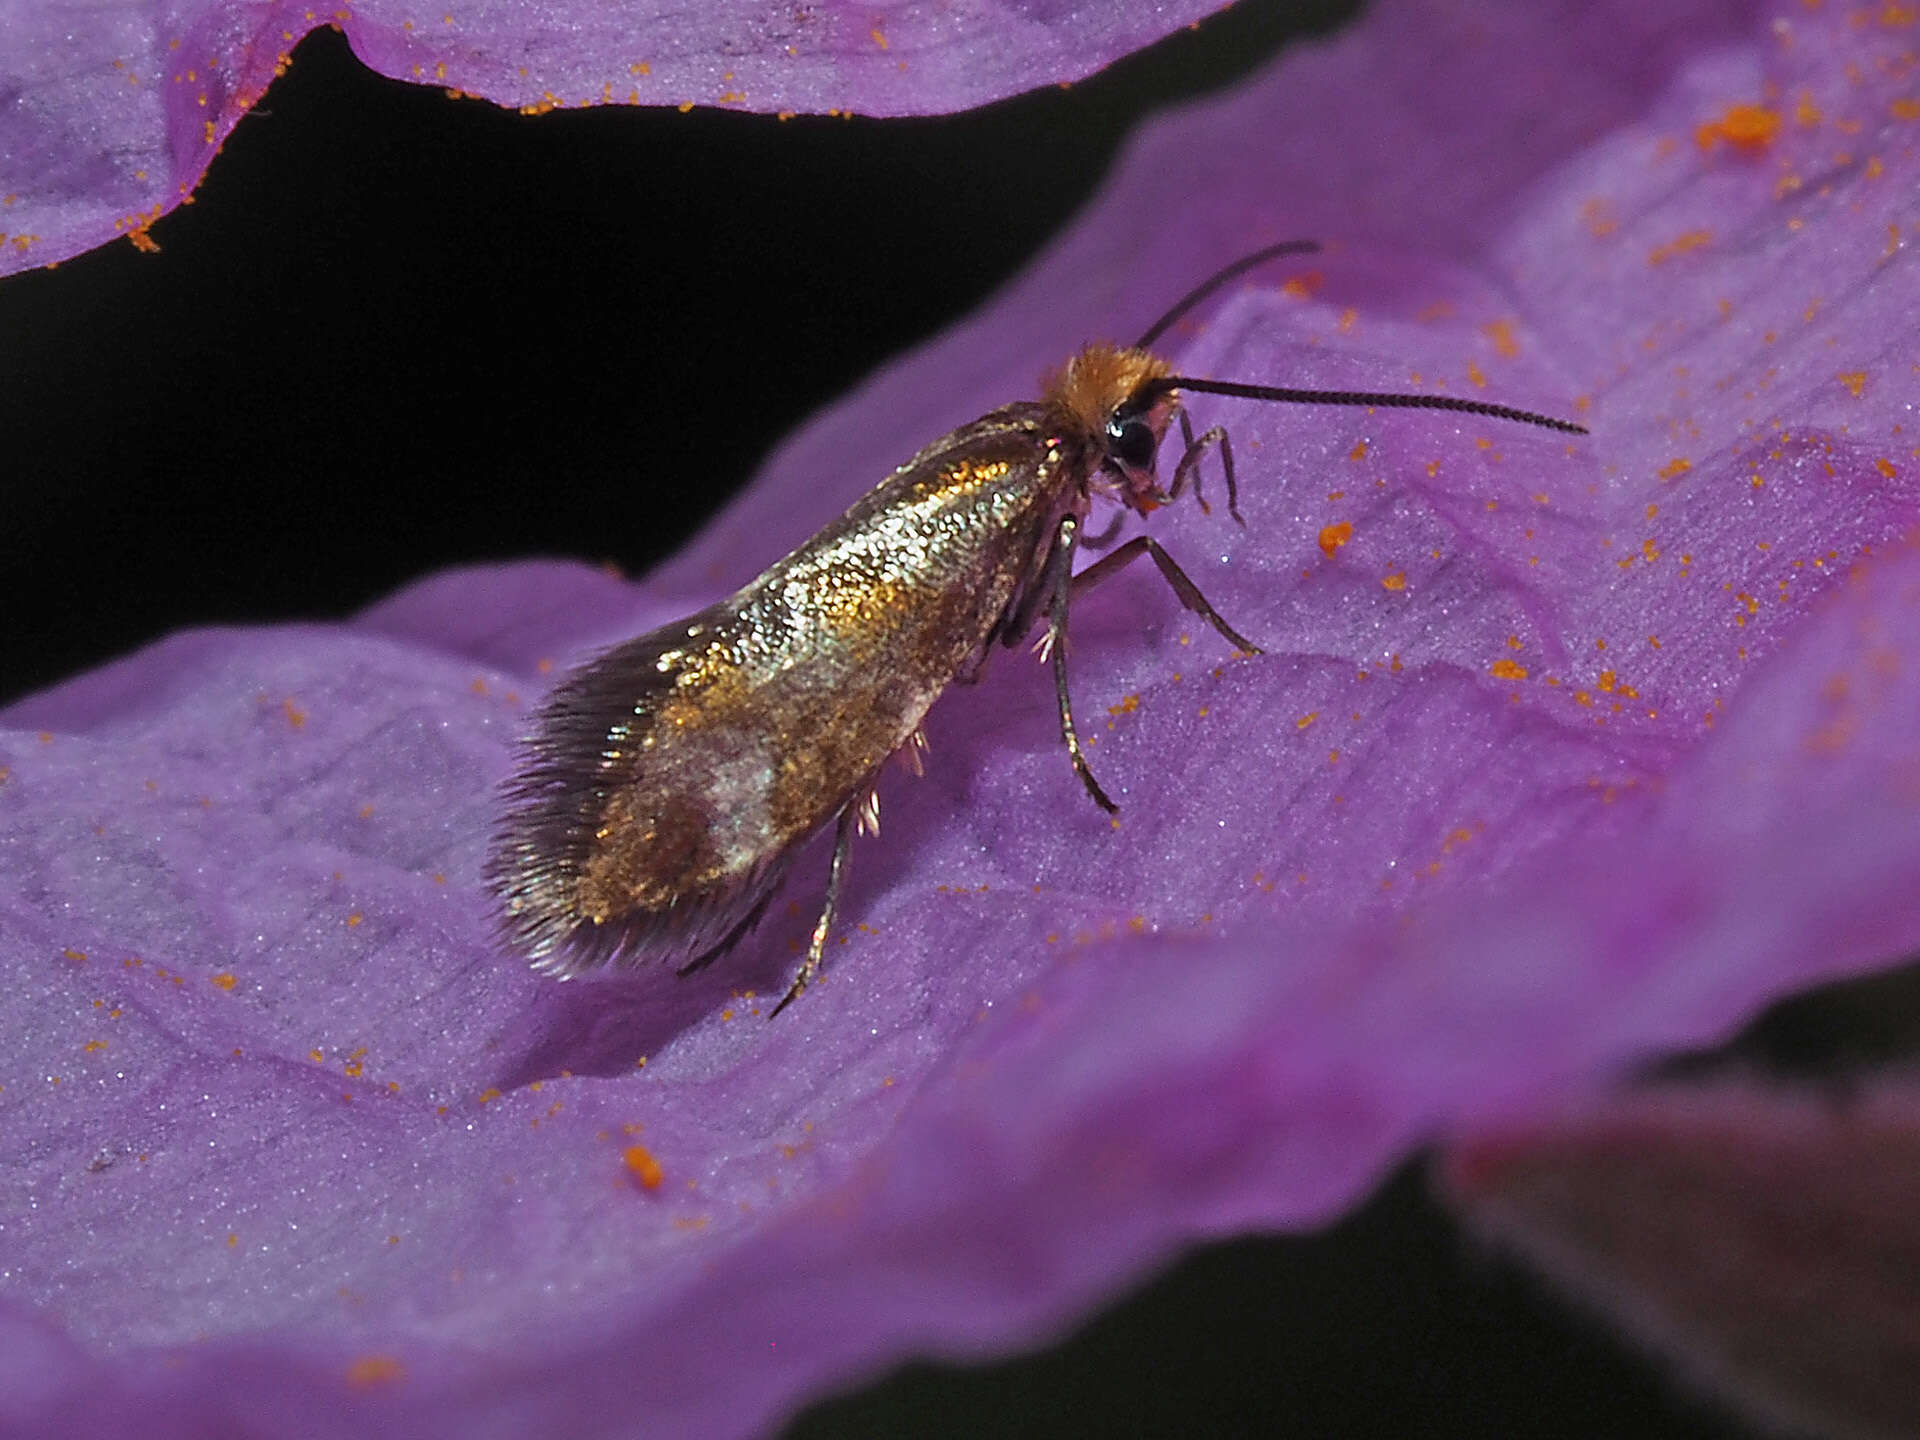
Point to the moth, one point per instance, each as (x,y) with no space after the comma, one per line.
(669,782)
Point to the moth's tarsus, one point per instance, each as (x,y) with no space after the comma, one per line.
(817,945)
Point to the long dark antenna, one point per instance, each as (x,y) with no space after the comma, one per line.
(1220,277)
(1388,400)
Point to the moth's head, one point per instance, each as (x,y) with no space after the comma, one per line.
(1115,405)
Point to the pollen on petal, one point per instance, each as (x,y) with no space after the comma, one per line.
(371,1370)
(1744,127)
(644,1168)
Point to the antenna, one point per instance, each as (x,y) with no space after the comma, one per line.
(1220,277)
(1389,400)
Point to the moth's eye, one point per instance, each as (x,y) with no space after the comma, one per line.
(1131,442)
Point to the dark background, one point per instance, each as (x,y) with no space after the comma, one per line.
(398,331)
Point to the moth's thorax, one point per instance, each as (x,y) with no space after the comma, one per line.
(918,571)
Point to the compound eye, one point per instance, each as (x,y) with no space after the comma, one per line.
(1131,442)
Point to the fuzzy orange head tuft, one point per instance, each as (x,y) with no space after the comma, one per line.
(1090,387)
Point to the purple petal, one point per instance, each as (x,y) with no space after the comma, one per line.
(1569,753)
(1763,1240)
(107,125)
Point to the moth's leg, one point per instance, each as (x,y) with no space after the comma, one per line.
(972,667)
(1188,470)
(733,937)
(1187,443)
(1105,537)
(1109,565)
(914,753)
(842,841)
(1060,583)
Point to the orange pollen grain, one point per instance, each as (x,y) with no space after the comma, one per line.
(1500,332)
(371,1370)
(1508,670)
(1679,245)
(643,1167)
(1396,581)
(1746,127)
(225,980)
(1332,537)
